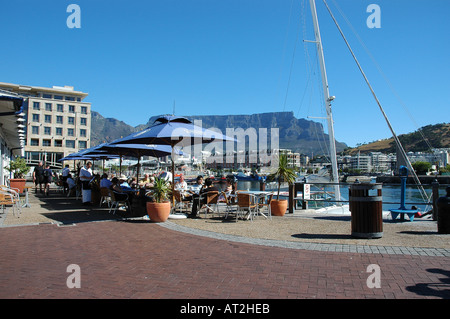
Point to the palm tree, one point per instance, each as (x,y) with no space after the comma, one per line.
(283,173)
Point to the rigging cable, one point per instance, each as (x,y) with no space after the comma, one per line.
(430,147)
(397,141)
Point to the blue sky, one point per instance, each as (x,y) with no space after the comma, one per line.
(209,57)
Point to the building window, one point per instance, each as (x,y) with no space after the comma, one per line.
(71,108)
(82,132)
(83,121)
(60,107)
(47,118)
(36,118)
(58,97)
(70,143)
(46,96)
(71,120)
(58,143)
(70,98)
(48,107)
(34,142)
(47,130)
(36,106)
(46,142)
(58,131)
(70,132)
(84,110)
(82,144)
(59,119)
(35,129)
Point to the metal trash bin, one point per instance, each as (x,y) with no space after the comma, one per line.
(366,210)
(443,219)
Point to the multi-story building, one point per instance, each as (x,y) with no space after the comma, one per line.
(58,121)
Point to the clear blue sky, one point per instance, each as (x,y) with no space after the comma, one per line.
(135,58)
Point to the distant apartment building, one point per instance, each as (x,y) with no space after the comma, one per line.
(58,121)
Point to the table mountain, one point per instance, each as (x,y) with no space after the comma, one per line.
(299,135)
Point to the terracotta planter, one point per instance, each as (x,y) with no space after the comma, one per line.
(278,207)
(158,212)
(18,183)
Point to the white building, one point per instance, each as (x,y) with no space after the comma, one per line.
(12,133)
(58,121)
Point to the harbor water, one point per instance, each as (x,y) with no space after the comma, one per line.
(391,194)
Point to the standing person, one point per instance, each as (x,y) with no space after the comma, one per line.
(64,175)
(85,178)
(38,176)
(48,176)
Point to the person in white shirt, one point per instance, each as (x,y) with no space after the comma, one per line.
(85,177)
(181,186)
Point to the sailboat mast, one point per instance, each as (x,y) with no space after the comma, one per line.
(328,100)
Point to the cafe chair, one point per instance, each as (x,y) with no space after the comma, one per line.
(105,196)
(180,202)
(266,204)
(8,197)
(117,200)
(229,203)
(246,202)
(208,200)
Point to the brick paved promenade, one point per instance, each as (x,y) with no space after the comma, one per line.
(138,259)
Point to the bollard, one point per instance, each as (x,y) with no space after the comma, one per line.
(443,218)
(366,210)
(435,187)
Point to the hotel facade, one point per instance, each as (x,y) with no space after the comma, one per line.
(58,121)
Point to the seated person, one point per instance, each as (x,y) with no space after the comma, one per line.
(71,184)
(117,188)
(105,182)
(181,186)
(228,190)
(195,189)
(145,181)
(196,198)
(124,184)
(132,182)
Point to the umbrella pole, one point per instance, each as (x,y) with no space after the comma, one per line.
(120,165)
(137,173)
(173,178)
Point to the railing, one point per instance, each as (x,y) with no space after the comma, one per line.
(328,196)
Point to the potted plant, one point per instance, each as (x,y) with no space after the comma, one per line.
(159,209)
(282,174)
(18,168)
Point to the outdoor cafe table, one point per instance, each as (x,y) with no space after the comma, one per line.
(260,195)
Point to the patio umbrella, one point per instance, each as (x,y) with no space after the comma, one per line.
(139,150)
(173,131)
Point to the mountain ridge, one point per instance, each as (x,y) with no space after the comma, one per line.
(299,135)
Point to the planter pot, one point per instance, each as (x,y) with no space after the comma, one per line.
(158,212)
(278,207)
(18,183)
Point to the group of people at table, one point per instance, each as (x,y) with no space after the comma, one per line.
(121,185)
(194,192)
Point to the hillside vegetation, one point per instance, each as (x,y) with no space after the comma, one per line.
(437,135)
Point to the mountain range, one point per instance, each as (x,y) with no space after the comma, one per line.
(299,135)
